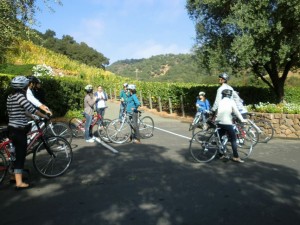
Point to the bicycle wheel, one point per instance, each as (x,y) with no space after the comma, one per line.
(101,129)
(118,132)
(53,159)
(77,127)
(59,129)
(146,127)
(197,128)
(267,130)
(244,144)
(203,148)
(3,167)
(250,132)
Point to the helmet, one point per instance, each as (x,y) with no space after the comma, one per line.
(225,76)
(227,93)
(125,85)
(88,88)
(131,86)
(202,93)
(19,82)
(33,79)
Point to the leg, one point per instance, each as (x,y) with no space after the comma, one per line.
(87,126)
(19,139)
(136,126)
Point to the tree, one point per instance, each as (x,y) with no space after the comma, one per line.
(261,35)
(15,16)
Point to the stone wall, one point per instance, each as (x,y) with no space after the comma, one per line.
(285,125)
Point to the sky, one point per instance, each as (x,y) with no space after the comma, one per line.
(122,29)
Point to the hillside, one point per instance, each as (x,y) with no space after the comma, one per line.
(170,67)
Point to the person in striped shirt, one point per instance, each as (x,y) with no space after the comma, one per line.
(18,109)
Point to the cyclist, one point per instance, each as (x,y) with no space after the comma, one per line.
(18,109)
(123,98)
(100,103)
(89,102)
(203,107)
(226,107)
(223,79)
(29,94)
(132,108)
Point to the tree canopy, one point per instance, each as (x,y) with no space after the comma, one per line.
(15,16)
(261,35)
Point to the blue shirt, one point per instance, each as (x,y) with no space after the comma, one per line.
(132,102)
(203,106)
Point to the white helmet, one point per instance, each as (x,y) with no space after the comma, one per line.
(202,93)
(131,87)
(88,88)
(125,85)
(19,82)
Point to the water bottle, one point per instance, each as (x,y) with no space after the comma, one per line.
(224,139)
(12,151)
(236,129)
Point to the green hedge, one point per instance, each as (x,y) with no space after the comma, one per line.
(67,93)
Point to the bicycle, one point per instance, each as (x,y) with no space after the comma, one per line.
(54,129)
(198,123)
(52,155)
(263,127)
(77,126)
(120,131)
(205,145)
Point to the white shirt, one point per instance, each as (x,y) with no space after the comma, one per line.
(226,107)
(102,98)
(219,95)
(32,99)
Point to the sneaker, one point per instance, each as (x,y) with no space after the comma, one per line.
(90,140)
(136,141)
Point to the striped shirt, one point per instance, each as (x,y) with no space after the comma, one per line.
(17,105)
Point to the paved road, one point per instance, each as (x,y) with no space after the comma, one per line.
(157,183)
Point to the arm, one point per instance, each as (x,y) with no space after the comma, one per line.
(36,102)
(237,112)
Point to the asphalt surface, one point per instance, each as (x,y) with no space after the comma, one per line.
(158,183)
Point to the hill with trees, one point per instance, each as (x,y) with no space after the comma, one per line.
(173,68)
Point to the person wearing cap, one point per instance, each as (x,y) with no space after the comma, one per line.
(29,94)
(133,104)
(223,79)
(19,109)
(203,106)
(123,98)
(89,102)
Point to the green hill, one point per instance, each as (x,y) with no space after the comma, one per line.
(170,68)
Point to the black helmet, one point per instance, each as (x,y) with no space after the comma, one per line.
(224,76)
(33,79)
(19,82)
(227,93)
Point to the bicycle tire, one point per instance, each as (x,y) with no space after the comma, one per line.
(59,129)
(146,127)
(53,165)
(244,145)
(250,132)
(77,127)
(267,130)
(101,129)
(118,132)
(197,128)
(3,167)
(203,148)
